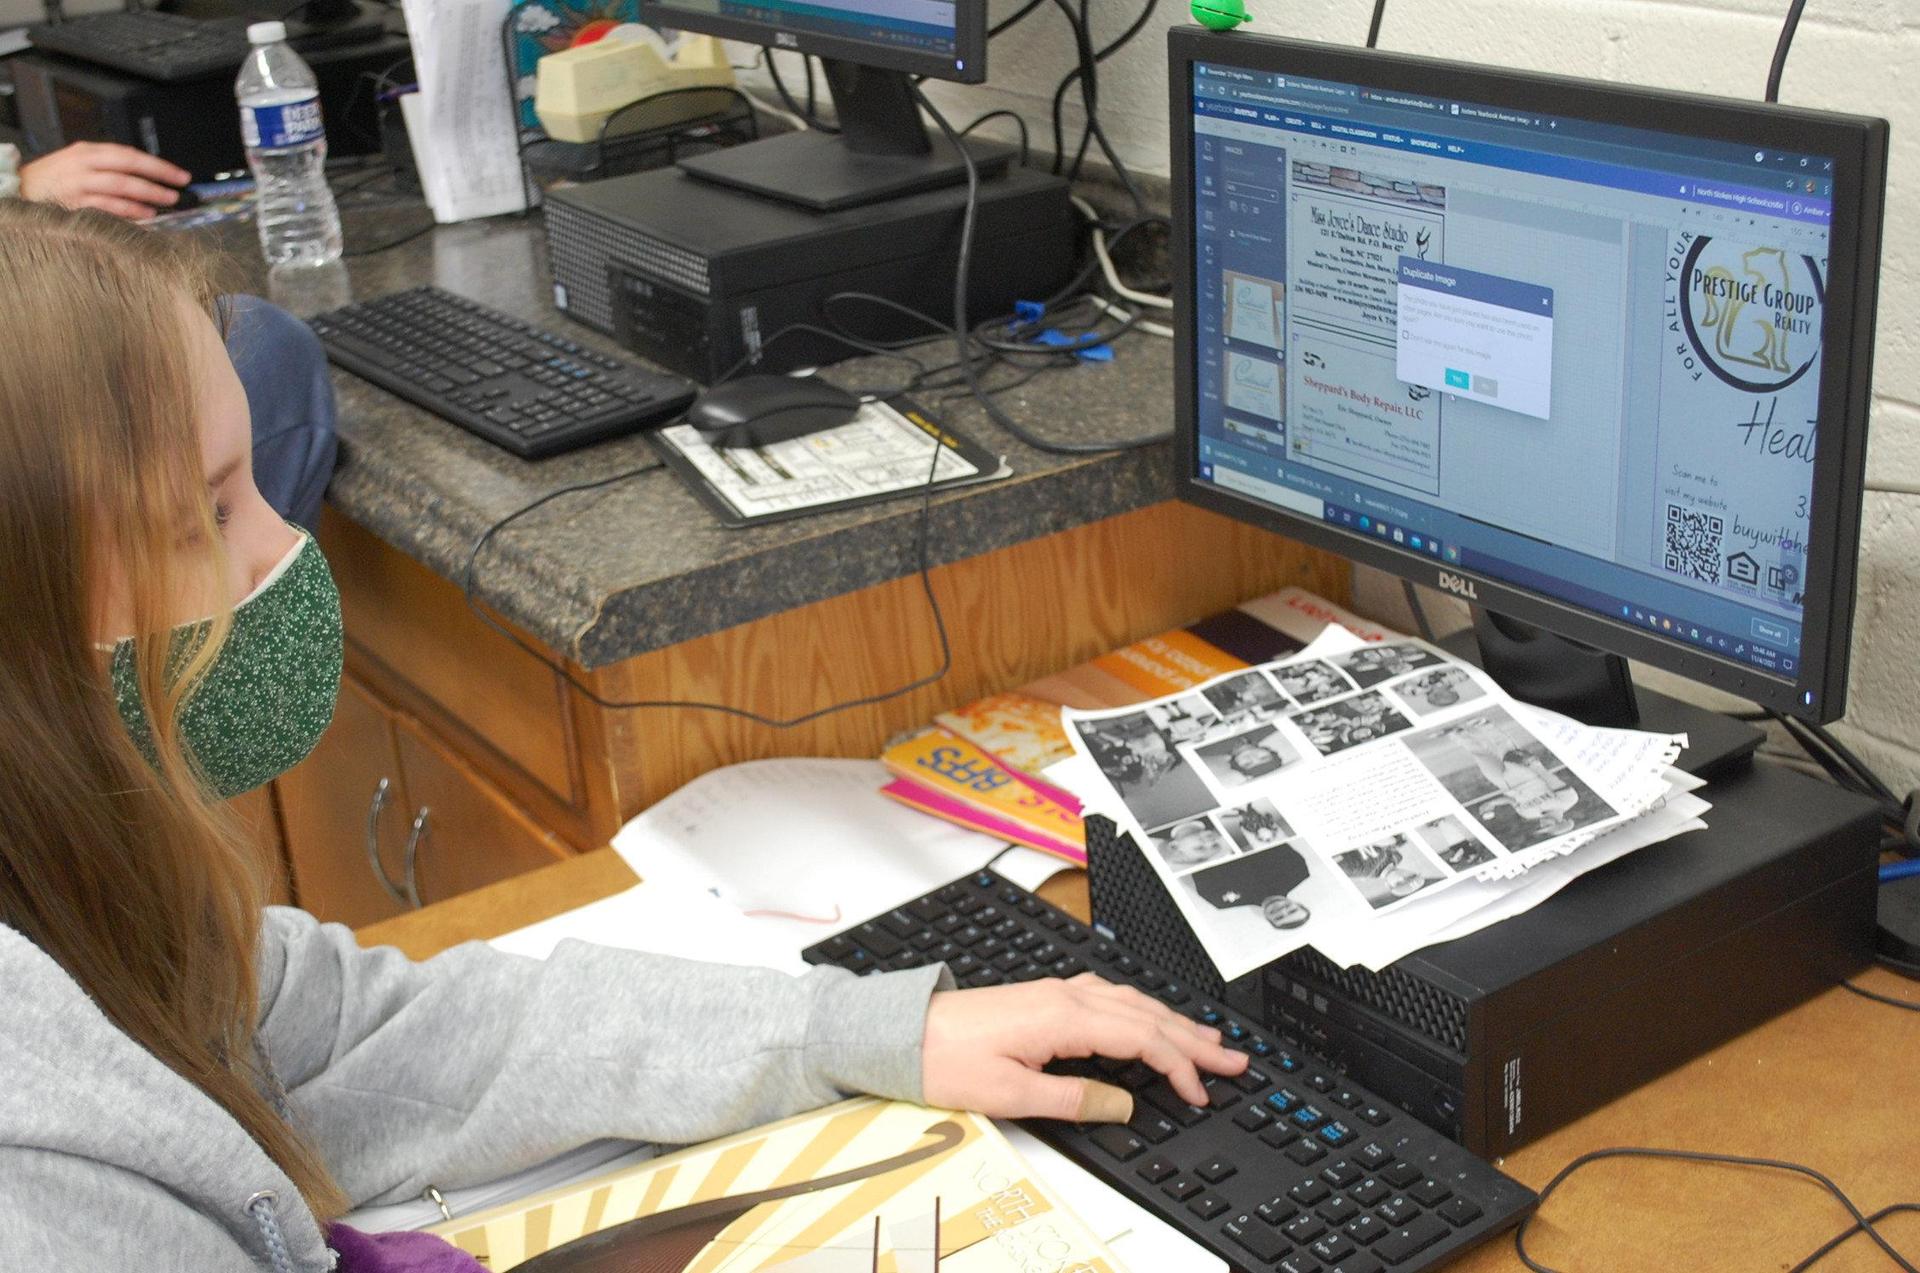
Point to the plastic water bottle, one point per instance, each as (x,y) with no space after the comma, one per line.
(287,151)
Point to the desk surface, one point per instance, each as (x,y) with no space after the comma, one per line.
(611,574)
(1832,1084)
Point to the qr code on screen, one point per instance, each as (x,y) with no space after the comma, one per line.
(1693,544)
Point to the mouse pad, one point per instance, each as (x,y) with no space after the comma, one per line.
(884,452)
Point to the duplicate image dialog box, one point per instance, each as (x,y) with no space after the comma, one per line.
(1477,336)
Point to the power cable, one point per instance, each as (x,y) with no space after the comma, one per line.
(593,696)
(1908,1005)
(1861,1222)
(1373,27)
(1087,74)
(962,338)
(1787,29)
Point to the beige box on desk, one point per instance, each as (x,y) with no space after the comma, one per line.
(19,13)
(579,90)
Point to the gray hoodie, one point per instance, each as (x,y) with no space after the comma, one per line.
(449,1072)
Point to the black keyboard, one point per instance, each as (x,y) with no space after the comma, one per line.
(156,46)
(1291,1166)
(522,387)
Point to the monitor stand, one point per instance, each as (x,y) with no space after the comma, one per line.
(882,151)
(1590,685)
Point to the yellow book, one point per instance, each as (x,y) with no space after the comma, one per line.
(951,767)
(1018,729)
(861,1186)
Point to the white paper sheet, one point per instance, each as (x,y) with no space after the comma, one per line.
(878,452)
(1335,797)
(806,847)
(664,920)
(461,128)
(1144,1242)
(1477,904)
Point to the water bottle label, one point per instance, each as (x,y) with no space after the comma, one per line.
(281,127)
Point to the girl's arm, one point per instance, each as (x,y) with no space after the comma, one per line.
(476,1063)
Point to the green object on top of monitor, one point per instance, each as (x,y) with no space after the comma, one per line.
(1219,15)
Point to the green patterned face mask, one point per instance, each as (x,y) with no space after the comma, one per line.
(269,694)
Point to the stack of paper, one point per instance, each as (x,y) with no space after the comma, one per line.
(461,121)
(1367,798)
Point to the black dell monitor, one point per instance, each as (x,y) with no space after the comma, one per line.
(1595,358)
(870,49)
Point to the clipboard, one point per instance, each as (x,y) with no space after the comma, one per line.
(883,453)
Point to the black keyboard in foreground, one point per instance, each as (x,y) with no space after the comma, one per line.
(521,387)
(155,46)
(1290,1166)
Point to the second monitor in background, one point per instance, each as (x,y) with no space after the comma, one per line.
(870,49)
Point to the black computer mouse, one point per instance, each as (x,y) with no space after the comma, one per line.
(762,410)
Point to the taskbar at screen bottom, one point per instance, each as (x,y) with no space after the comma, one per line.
(1773,651)
(926,25)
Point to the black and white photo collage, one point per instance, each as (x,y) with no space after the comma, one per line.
(1188,770)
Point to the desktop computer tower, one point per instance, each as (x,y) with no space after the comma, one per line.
(1502,1036)
(696,276)
(195,124)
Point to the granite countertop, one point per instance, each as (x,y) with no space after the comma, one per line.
(605,575)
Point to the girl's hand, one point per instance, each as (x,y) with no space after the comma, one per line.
(984,1048)
(105,175)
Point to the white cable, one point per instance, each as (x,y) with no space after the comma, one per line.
(1895,488)
(778,112)
(1106,265)
(1107,307)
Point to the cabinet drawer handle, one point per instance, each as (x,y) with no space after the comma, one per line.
(416,838)
(373,840)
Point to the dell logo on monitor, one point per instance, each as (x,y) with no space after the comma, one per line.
(1458,586)
(786,40)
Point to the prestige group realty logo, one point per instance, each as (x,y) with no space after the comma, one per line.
(1751,313)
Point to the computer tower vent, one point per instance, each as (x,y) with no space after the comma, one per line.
(1127,897)
(1419,1005)
(581,246)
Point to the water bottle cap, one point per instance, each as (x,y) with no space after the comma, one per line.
(267,33)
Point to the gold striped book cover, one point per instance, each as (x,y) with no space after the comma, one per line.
(866,1186)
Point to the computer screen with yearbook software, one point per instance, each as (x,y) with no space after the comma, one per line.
(1578,358)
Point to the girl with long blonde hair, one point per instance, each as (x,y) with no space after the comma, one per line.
(192,1080)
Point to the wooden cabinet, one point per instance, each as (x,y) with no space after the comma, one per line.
(382,818)
(348,793)
(469,834)
(580,770)
(494,764)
